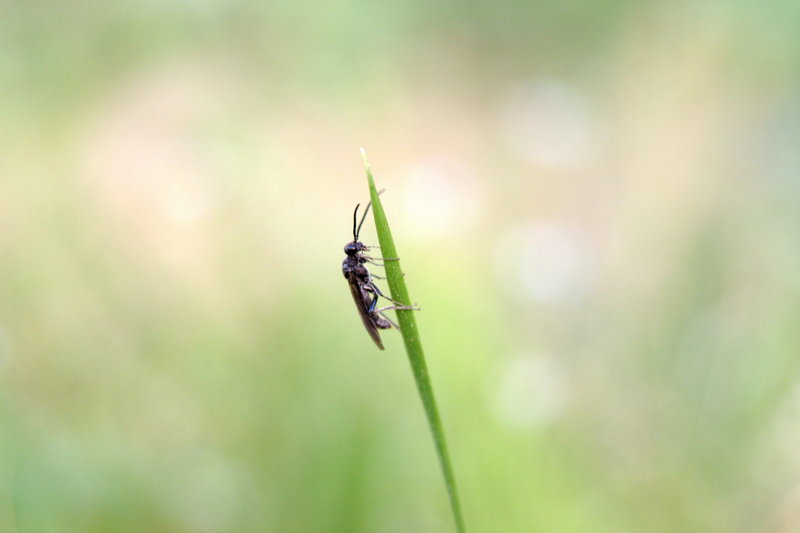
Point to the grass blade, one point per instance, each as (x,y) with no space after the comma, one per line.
(410,333)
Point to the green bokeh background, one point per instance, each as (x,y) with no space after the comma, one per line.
(597,208)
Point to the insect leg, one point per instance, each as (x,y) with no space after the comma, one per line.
(382,277)
(373,261)
(377,291)
(373,303)
(395,308)
(391,307)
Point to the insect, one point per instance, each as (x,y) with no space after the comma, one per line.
(365,292)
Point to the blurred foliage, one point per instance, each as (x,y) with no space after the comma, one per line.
(178,351)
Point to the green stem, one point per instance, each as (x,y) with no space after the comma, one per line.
(410,333)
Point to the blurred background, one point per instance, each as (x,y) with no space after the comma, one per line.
(596,204)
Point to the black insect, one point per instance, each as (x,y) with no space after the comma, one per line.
(365,292)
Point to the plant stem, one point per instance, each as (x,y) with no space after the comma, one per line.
(413,344)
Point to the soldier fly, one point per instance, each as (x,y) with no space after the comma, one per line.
(365,292)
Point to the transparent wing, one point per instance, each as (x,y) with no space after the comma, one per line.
(363,300)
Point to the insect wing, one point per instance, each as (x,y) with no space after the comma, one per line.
(362,300)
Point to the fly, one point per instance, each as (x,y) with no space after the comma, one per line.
(365,292)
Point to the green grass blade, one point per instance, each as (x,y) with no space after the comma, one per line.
(410,333)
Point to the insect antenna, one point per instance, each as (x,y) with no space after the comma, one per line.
(355,215)
(355,235)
